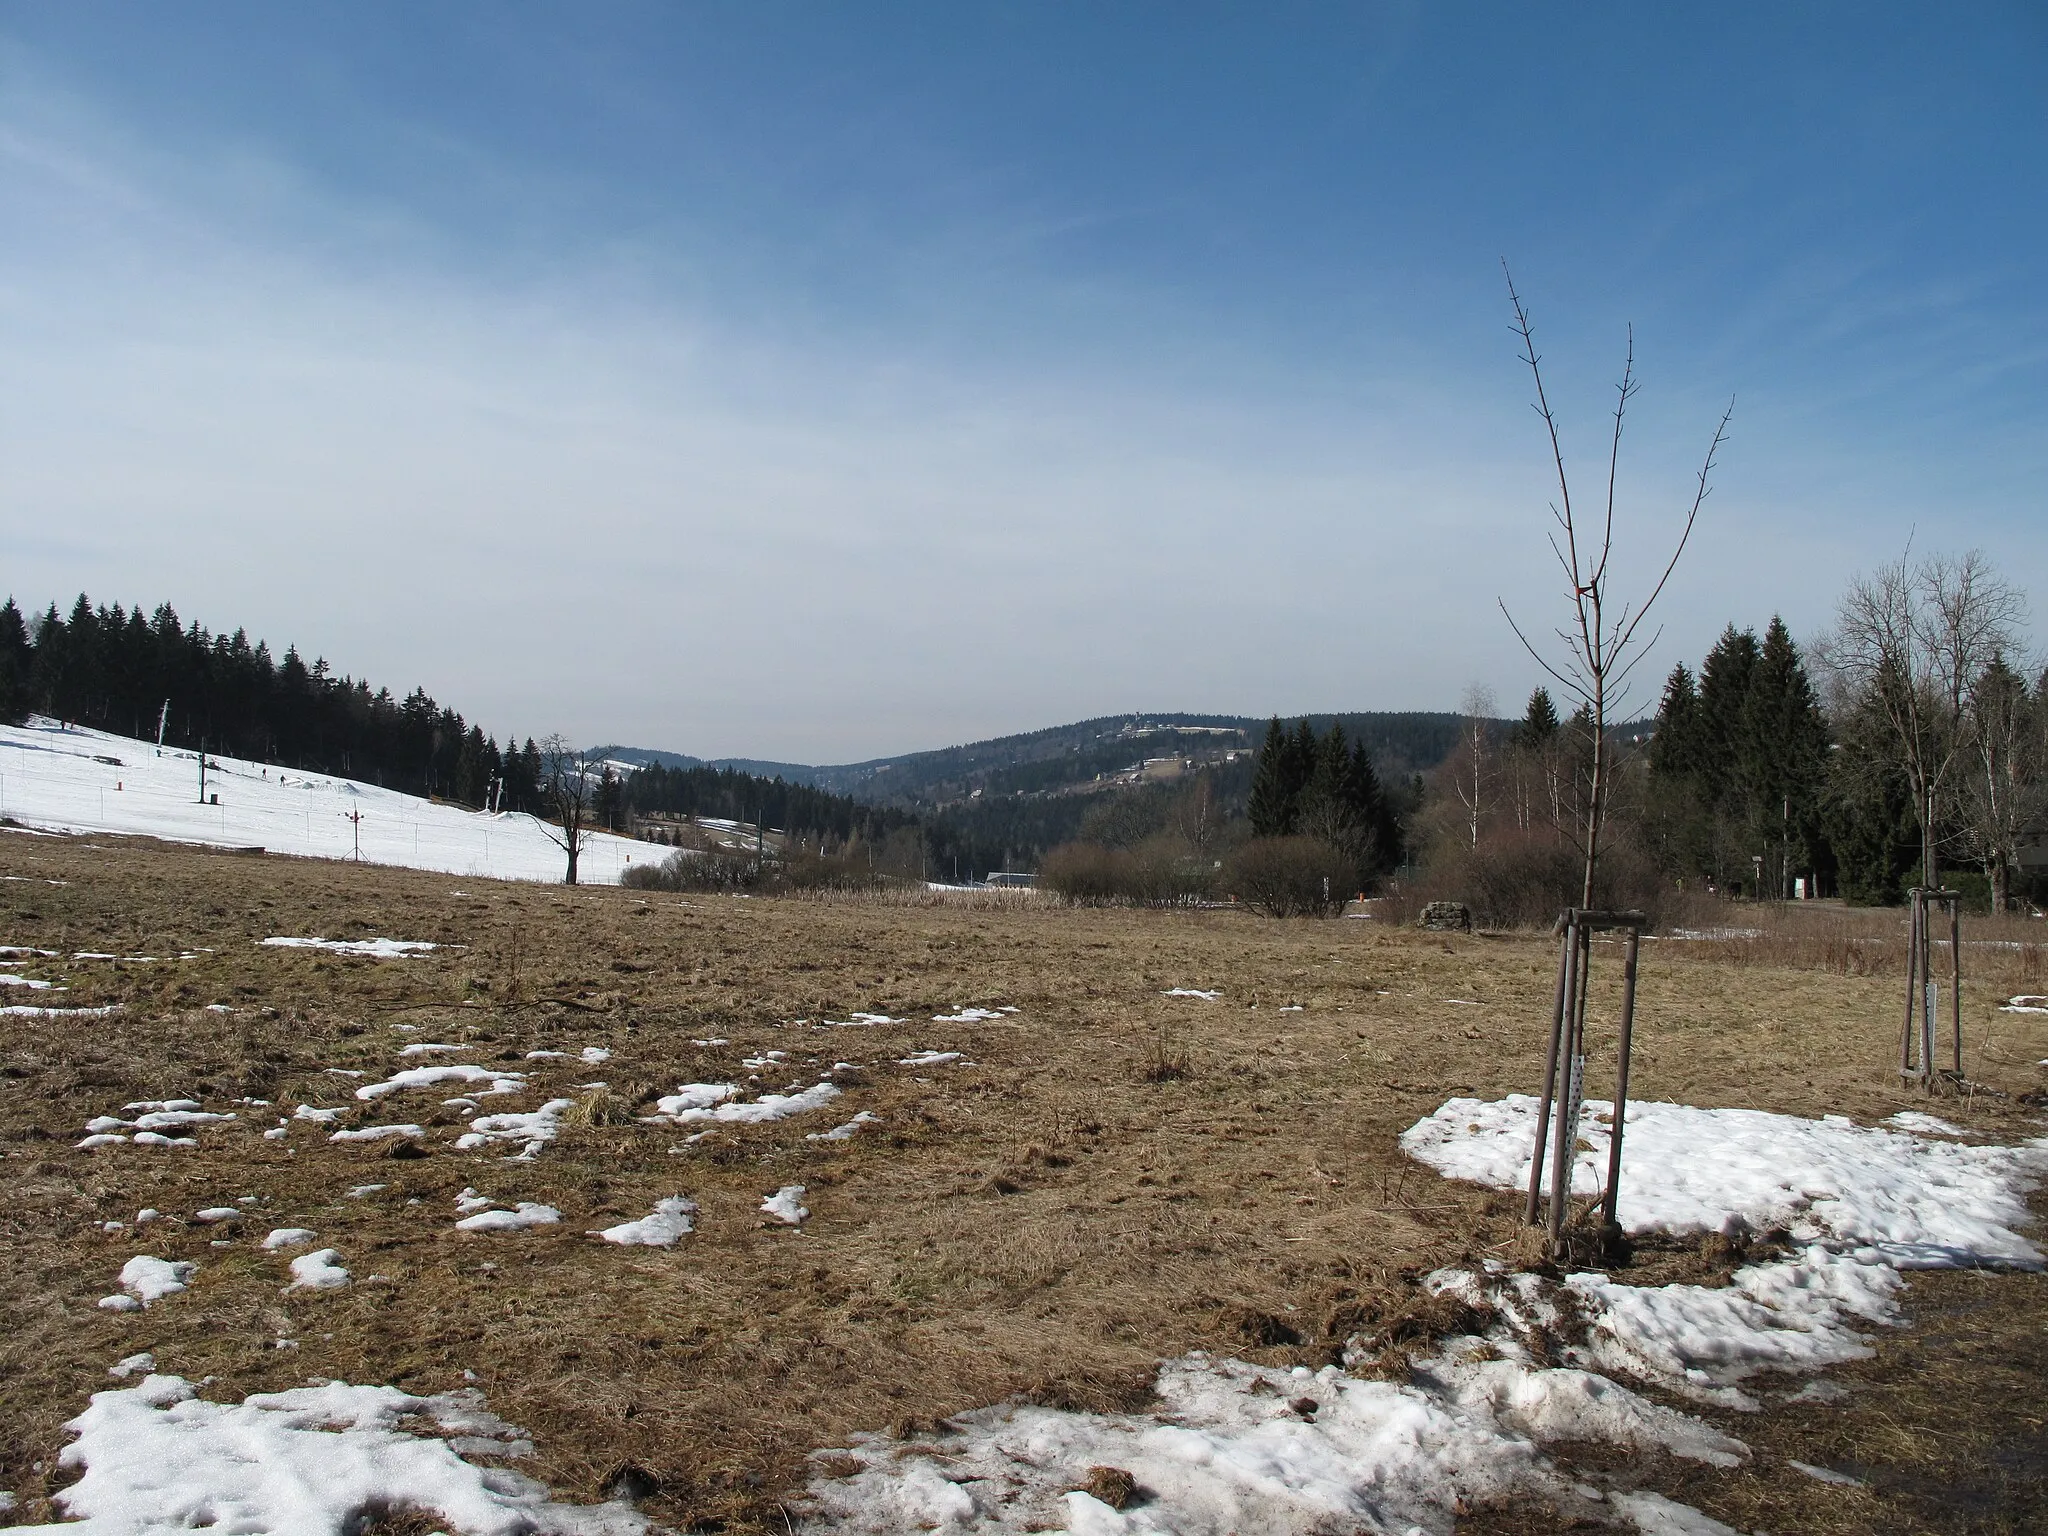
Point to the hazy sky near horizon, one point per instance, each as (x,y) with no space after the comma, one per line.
(815,383)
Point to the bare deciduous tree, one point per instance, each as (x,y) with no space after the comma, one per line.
(1476,769)
(568,784)
(2005,792)
(1916,638)
(1599,640)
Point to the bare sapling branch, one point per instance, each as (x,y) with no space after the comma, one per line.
(1599,642)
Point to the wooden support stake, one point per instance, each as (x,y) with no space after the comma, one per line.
(1628,1027)
(1955,955)
(1564,977)
(1574,1047)
(1929,990)
(1912,987)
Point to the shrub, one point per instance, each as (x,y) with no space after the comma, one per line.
(1161,871)
(1290,876)
(1514,881)
(732,870)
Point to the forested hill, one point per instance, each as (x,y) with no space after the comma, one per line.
(1067,756)
(130,672)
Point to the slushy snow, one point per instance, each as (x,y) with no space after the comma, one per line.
(373,949)
(784,1204)
(148,1280)
(313,1461)
(697,1103)
(672,1219)
(526,1214)
(318,1271)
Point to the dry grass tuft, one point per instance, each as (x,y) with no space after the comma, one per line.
(1112,1485)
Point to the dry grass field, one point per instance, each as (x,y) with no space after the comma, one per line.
(1112,1175)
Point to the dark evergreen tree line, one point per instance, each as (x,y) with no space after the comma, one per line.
(1741,758)
(1324,787)
(118,669)
(728,794)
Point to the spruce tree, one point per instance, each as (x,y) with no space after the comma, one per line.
(1271,809)
(1781,754)
(1675,744)
(16,657)
(1539,721)
(1724,702)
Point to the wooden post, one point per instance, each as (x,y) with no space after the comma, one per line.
(1912,988)
(1955,955)
(1568,925)
(1628,1027)
(1929,991)
(1569,1085)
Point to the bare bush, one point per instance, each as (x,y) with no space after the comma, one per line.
(1524,881)
(735,870)
(1290,876)
(1163,870)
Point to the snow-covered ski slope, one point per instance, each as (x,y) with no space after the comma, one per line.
(77,780)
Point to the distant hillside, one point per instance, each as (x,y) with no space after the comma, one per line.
(1068,757)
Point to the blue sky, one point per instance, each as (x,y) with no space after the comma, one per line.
(819,382)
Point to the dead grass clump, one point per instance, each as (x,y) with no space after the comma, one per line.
(1166,1062)
(1094,1389)
(406,1521)
(1261,1330)
(1112,1485)
(600,1107)
(1417,1320)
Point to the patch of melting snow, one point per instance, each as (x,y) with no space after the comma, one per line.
(672,1218)
(319,1459)
(453,1072)
(148,1127)
(375,949)
(783,1205)
(1257,1450)
(536,1129)
(318,1271)
(527,1213)
(846,1132)
(428,1048)
(930,1059)
(288,1237)
(966,1015)
(1825,1474)
(364,1189)
(1205,996)
(2025,1003)
(862,1021)
(711,1042)
(31,983)
(1924,1204)
(1918,1122)
(148,1280)
(213,1215)
(380,1133)
(694,1103)
(317,1116)
(133,1365)
(1862,1205)
(31,1011)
